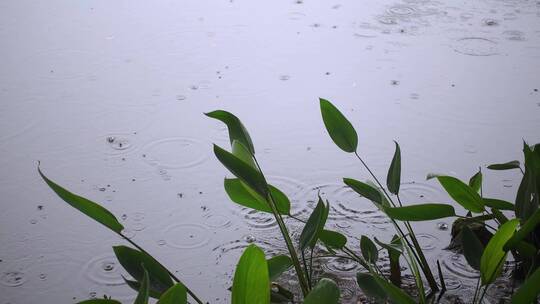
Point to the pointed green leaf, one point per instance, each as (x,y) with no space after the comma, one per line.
(368,249)
(370,287)
(314,225)
(395,294)
(494,256)
(325,292)
(333,239)
(340,129)
(472,247)
(393,179)
(462,193)
(530,289)
(505,166)
(237,131)
(498,204)
(364,190)
(174,295)
(85,206)
(142,297)
(251,283)
(243,171)
(476,181)
(241,194)
(420,212)
(132,260)
(278,265)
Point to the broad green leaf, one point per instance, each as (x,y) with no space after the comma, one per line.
(365,190)
(132,260)
(314,225)
(420,212)
(333,239)
(393,179)
(142,297)
(524,231)
(251,283)
(368,249)
(395,294)
(472,247)
(241,194)
(476,181)
(174,295)
(99,301)
(325,292)
(339,128)
(237,131)
(370,287)
(505,166)
(498,204)
(278,265)
(530,289)
(243,171)
(493,257)
(240,151)
(462,193)
(89,208)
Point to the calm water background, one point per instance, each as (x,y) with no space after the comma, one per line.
(109,97)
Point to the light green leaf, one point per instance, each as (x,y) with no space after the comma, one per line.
(472,247)
(142,297)
(393,179)
(85,206)
(240,151)
(368,249)
(339,128)
(174,295)
(314,225)
(251,283)
(530,289)
(278,265)
(462,193)
(237,131)
(420,212)
(243,195)
(370,287)
(493,257)
(325,292)
(333,239)
(505,166)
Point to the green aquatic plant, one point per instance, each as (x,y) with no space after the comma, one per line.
(510,227)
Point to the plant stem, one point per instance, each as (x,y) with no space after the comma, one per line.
(173,276)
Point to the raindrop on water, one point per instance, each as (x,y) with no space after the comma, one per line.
(442,226)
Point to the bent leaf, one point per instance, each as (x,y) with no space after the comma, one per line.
(241,194)
(420,212)
(339,128)
(237,131)
(472,247)
(462,193)
(333,239)
(174,295)
(505,166)
(251,283)
(530,289)
(493,257)
(325,292)
(278,265)
(393,179)
(314,225)
(91,209)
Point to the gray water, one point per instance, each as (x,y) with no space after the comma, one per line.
(109,96)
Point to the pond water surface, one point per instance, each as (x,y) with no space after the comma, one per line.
(109,96)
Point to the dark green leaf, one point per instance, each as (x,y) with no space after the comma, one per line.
(132,260)
(370,287)
(393,179)
(394,246)
(420,212)
(472,247)
(243,171)
(85,206)
(364,190)
(100,301)
(142,297)
(505,166)
(498,204)
(251,282)
(530,289)
(237,131)
(340,129)
(314,225)
(325,292)
(174,295)
(278,265)
(278,294)
(241,194)
(476,181)
(369,250)
(462,193)
(395,294)
(493,257)
(332,239)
